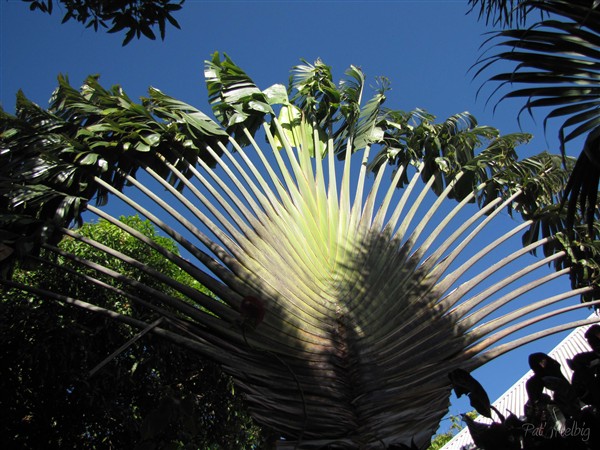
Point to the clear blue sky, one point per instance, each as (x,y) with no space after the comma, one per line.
(424,47)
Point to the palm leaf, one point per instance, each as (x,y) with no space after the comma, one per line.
(501,12)
(559,56)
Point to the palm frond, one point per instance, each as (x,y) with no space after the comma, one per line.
(501,12)
(559,57)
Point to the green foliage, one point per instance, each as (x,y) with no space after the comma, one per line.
(236,101)
(138,17)
(317,95)
(441,439)
(111,236)
(402,138)
(153,395)
(54,159)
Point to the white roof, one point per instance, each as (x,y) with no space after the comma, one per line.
(513,400)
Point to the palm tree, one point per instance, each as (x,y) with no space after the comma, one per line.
(557,60)
(341,301)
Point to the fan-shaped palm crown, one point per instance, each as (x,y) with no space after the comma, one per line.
(342,302)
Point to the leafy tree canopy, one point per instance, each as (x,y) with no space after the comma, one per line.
(137,17)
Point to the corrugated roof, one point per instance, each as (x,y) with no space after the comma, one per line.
(513,400)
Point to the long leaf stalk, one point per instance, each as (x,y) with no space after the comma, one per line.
(193,344)
(104,285)
(181,262)
(500,322)
(203,257)
(499,350)
(180,305)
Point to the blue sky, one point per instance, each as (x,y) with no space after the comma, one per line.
(425,48)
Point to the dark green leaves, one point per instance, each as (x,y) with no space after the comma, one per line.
(236,101)
(318,97)
(138,17)
(50,159)
(338,109)
(447,148)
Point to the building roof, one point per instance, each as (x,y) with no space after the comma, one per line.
(513,400)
